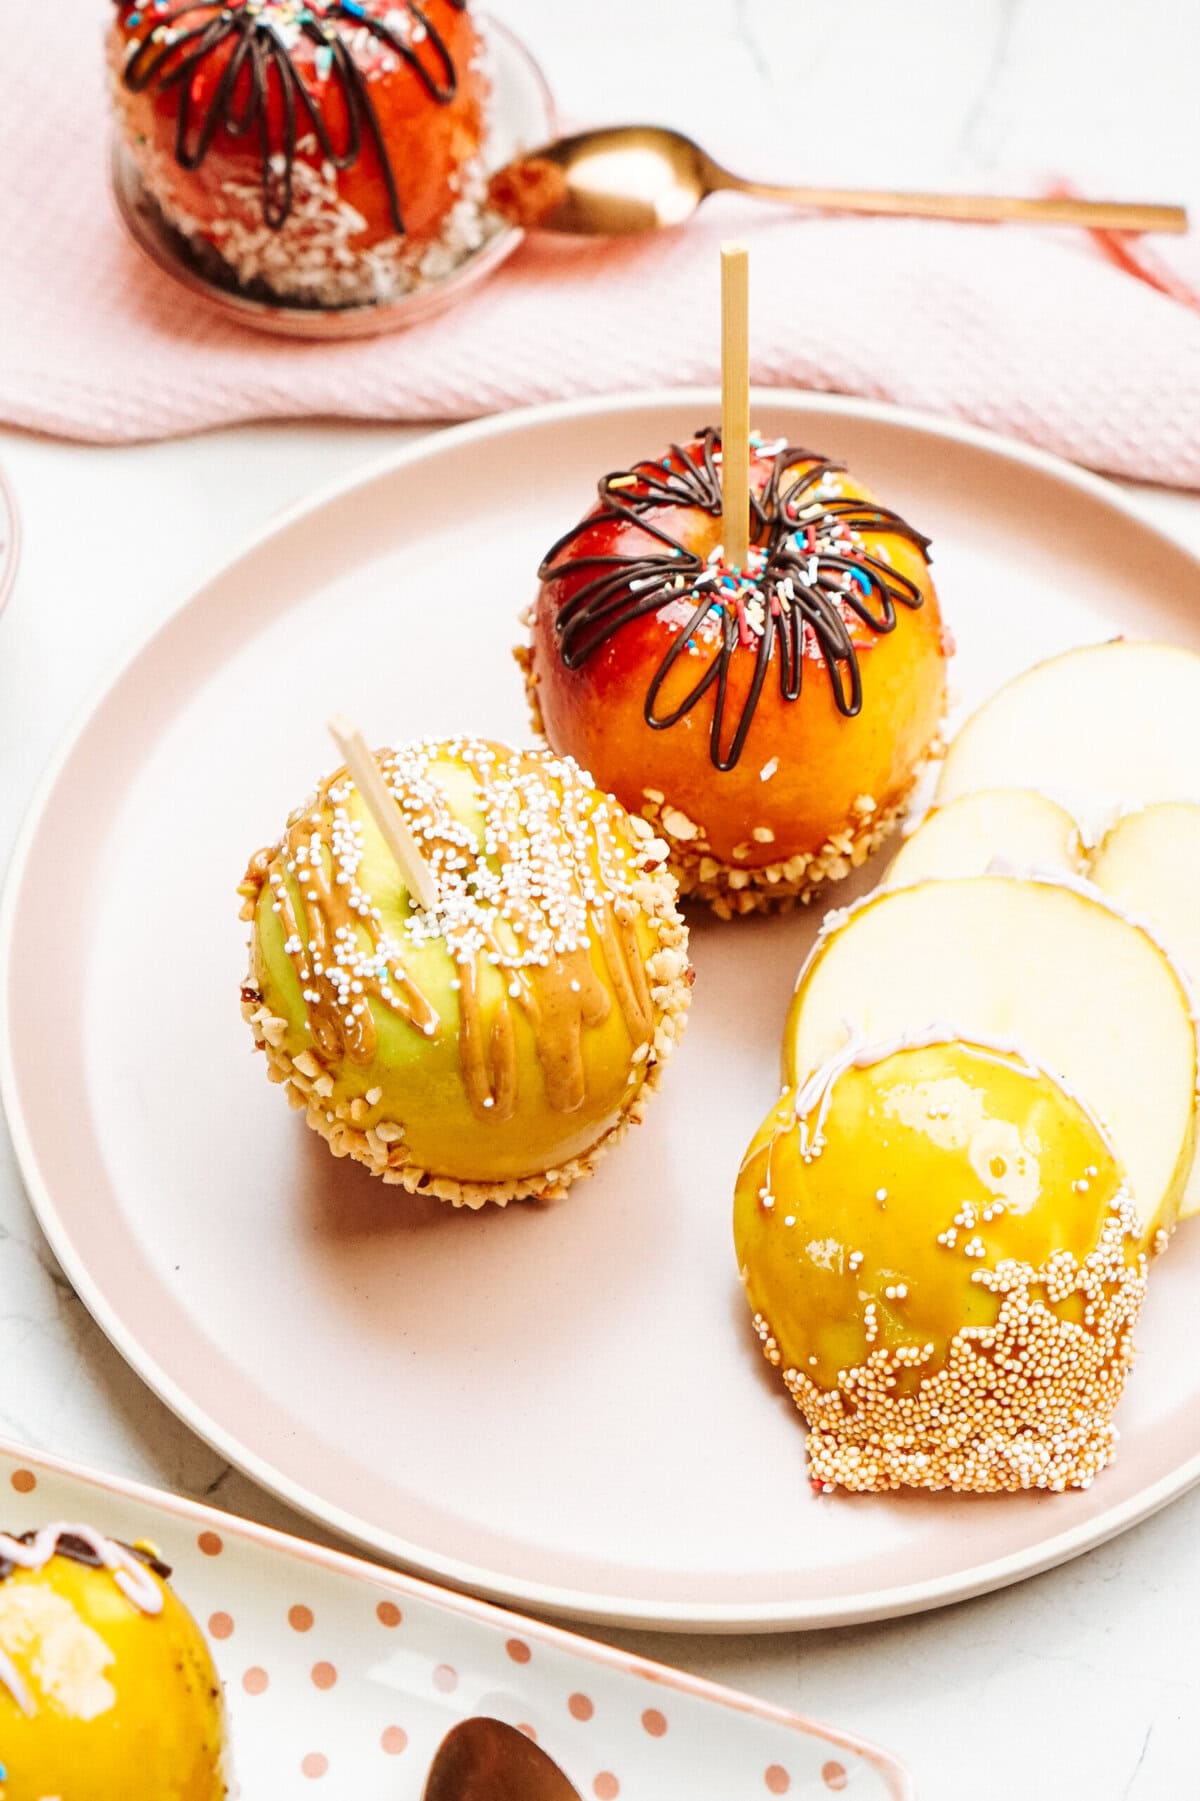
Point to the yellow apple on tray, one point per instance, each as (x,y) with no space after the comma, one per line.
(107,1688)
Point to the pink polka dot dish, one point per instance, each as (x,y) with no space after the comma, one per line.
(341,1678)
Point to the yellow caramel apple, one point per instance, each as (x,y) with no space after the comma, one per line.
(942,1258)
(490,1046)
(107,1688)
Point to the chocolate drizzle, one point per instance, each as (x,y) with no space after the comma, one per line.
(79,1550)
(806,575)
(263,34)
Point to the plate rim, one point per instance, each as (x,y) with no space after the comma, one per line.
(655,1615)
(356,1568)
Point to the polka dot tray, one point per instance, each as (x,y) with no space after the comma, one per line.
(342,1677)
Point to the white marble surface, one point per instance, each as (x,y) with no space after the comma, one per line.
(1082,1682)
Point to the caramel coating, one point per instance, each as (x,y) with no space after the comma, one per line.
(942,1260)
(813,790)
(487,1048)
(118,1703)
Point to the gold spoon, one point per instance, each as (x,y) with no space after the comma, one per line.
(628,178)
(485,1760)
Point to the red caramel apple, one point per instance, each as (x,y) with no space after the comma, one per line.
(329,149)
(769,721)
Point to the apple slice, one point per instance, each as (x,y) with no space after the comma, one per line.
(1053,970)
(1150,864)
(1106,728)
(967,835)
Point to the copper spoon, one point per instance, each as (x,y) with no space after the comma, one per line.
(485,1760)
(628,178)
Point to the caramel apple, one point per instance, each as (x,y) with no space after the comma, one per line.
(107,1688)
(942,1259)
(327,150)
(769,721)
(491,1045)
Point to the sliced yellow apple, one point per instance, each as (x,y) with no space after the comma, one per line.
(1150,864)
(967,835)
(1013,962)
(1105,728)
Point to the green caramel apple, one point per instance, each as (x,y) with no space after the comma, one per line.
(489,1047)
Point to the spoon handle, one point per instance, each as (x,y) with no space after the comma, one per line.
(1107,215)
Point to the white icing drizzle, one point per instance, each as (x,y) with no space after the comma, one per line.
(131,1576)
(816,1093)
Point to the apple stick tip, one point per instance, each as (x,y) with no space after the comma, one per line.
(381,804)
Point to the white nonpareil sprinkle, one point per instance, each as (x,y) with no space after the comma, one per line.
(522,863)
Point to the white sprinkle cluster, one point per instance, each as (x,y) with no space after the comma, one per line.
(522,859)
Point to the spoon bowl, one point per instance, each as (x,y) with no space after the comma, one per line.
(485,1760)
(634,178)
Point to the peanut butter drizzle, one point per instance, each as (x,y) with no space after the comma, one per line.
(617,933)
(558,998)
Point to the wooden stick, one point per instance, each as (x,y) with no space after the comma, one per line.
(735,403)
(385,811)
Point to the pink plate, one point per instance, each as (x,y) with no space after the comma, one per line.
(564,1404)
(335,1668)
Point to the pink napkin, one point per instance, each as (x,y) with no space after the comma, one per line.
(1036,334)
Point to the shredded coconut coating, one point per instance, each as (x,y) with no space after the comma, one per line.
(1024,1403)
(315,257)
